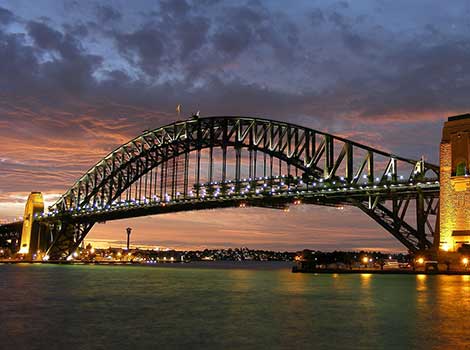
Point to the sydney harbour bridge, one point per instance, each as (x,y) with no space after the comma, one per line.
(219,162)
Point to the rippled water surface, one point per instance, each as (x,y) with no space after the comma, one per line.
(227,307)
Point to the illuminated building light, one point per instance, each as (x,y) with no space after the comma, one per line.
(24,250)
(365,260)
(420,261)
(465,261)
(445,247)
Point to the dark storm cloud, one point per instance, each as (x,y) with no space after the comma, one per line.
(244,26)
(12,70)
(316,17)
(175,7)
(6,16)
(106,13)
(192,35)
(247,27)
(213,43)
(73,69)
(144,47)
(44,36)
(401,74)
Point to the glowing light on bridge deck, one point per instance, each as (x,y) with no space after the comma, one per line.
(365,260)
(420,261)
(465,261)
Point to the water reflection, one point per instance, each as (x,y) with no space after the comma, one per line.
(229,308)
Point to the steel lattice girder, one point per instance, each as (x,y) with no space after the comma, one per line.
(318,156)
(293,144)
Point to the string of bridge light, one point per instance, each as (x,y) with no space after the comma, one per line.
(321,186)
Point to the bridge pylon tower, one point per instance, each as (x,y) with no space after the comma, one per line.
(455,184)
(32,239)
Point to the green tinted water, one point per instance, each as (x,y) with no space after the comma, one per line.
(114,307)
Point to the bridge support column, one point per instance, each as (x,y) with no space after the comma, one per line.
(420,220)
(30,234)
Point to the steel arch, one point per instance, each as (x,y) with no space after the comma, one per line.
(368,178)
(287,142)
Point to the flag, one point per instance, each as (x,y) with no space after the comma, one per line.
(178,109)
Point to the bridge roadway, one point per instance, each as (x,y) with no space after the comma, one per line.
(202,163)
(259,192)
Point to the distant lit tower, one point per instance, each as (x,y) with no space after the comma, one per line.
(128,230)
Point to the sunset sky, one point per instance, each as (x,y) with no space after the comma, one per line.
(79,78)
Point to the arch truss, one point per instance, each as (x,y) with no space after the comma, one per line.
(235,161)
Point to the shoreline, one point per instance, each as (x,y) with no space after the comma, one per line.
(219,264)
(384,272)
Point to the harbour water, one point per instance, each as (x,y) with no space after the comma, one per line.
(227,306)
